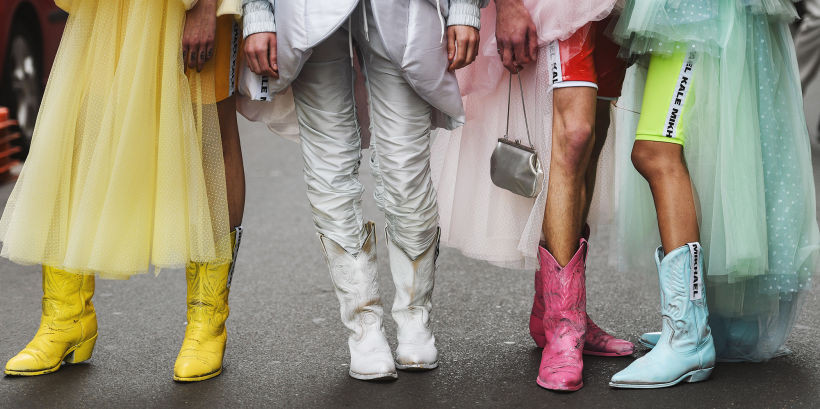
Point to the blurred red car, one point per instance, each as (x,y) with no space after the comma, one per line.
(30,32)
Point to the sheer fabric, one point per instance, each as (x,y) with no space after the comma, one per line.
(123,174)
(479,219)
(749,158)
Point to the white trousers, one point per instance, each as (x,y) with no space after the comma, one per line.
(807,42)
(331,143)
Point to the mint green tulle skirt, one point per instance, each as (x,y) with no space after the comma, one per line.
(749,157)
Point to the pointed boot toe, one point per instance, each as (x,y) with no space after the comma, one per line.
(373,367)
(416,357)
(193,369)
(557,378)
(623,347)
(612,347)
(650,339)
(198,360)
(24,363)
(598,342)
(626,376)
(194,366)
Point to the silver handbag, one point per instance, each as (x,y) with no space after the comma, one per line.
(513,166)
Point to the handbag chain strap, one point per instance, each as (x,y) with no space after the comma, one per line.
(523,107)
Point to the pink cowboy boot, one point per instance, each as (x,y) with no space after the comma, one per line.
(597,341)
(564,295)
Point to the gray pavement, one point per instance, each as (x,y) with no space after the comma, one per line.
(287,347)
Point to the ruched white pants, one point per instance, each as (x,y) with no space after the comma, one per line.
(331,144)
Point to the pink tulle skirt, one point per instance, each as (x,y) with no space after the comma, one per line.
(479,219)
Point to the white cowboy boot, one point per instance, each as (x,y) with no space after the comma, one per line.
(355,281)
(414,281)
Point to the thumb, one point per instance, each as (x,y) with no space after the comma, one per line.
(451,43)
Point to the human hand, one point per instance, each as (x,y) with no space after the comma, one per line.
(260,51)
(198,34)
(462,46)
(516,35)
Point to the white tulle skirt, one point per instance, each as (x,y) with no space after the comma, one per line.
(478,218)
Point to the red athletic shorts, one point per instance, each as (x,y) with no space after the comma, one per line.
(588,59)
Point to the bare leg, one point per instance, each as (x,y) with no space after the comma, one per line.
(234,168)
(601,128)
(572,145)
(662,165)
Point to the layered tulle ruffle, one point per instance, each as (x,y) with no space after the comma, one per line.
(478,218)
(749,158)
(123,174)
(665,26)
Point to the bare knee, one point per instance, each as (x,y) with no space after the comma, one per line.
(575,146)
(654,160)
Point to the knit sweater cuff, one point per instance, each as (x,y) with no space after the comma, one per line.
(258,17)
(464,13)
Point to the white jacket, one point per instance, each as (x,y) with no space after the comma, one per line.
(411,29)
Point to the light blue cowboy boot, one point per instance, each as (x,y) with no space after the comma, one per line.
(685,350)
(735,340)
(650,339)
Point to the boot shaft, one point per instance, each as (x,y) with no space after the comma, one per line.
(683,297)
(355,281)
(414,278)
(207,298)
(564,288)
(67,297)
(548,263)
(67,305)
(208,288)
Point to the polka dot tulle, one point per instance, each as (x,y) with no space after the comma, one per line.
(123,175)
(665,26)
(749,158)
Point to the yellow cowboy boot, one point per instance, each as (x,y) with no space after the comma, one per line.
(68,326)
(200,357)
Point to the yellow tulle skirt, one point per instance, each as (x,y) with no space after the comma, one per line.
(125,172)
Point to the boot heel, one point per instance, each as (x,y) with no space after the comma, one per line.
(82,353)
(540,339)
(700,375)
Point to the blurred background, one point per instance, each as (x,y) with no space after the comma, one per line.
(30,32)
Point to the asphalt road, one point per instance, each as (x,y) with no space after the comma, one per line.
(287,347)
